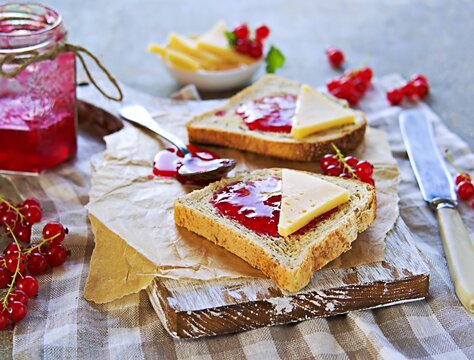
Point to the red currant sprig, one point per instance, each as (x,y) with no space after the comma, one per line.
(463,181)
(13,309)
(335,57)
(240,39)
(352,85)
(17,261)
(347,167)
(20,218)
(414,89)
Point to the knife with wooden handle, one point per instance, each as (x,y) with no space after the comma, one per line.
(437,189)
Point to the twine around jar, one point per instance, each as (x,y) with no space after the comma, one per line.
(51,54)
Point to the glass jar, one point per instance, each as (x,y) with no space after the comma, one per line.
(38,105)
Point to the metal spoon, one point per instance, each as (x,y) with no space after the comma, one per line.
(192,169)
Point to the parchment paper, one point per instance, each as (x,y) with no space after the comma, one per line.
(132,215)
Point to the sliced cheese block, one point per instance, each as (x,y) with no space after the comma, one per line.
(180,60)
(216,42)
(315,111)
(305,197)
(189,47)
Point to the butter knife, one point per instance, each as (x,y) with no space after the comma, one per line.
(437,188)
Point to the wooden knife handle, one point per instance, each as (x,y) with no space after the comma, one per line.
(459,250)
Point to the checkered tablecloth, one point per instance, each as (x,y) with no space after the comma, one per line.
(62,325)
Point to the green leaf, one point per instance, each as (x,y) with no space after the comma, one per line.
(231,38)
(274,59)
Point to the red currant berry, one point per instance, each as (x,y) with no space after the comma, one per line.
(29,285)
(368,180)
(22,231)
(57,255)
(16,311)
(241,31)
(255,49)
(18,295)
(409,90)
(11,248)
(333,84)
(332,170)
(395,97)
(462,177)
(351,161)
(32,214)
(353,99)
(37,264)
(54,230)
(4,205)
(29,202)
(335,57)
(3,321)
(465,190)
(347,87)
(11,262)
(364,169)
(346,175)
(8,219)
(5,278)
(327,160)
(242,46)
(361,87)
(262,32)
(419,77)
(421,88)
(365,74)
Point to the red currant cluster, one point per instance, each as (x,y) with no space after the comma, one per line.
(347,167)
(243,44)
(335,57)
(17,260)
(352,85)
(414,89)
(463,181)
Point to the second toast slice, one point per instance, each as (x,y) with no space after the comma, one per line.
(224,127)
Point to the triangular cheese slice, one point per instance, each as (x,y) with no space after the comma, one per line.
(315,112)
(216,42)
(305,197)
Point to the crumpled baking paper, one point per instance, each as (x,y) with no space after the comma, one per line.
(132,214)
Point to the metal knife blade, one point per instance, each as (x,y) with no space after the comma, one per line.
(437,188)
(430,170)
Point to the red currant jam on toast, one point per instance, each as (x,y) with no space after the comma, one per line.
(269,113)
(256,205)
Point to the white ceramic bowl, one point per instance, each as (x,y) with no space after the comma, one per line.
(216,80)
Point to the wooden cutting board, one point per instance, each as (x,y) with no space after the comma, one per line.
(191,309)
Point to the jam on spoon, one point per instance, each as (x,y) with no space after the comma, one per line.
(189,164)
(196,167)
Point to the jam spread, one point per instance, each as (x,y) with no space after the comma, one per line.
(269,113)
(256,205)
(168,161)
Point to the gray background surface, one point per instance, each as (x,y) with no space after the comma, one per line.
(432,37)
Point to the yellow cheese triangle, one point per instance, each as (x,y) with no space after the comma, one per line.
(305,197)
(315,112)
(216,42)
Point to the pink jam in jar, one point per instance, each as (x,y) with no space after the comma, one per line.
(37,106)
